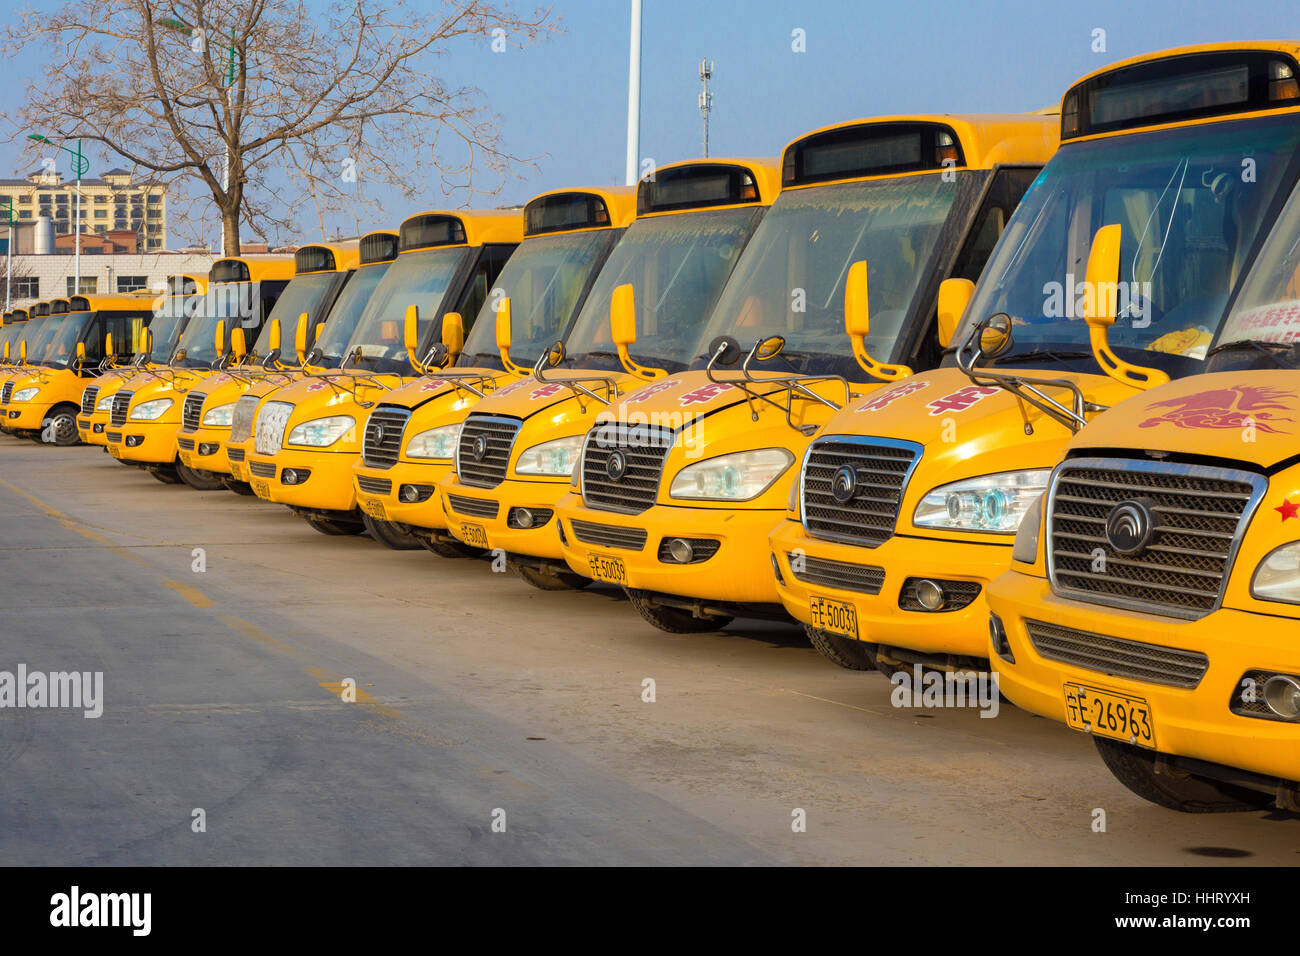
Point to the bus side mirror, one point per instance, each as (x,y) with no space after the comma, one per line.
(273,337)
(411,333)
(954,296)
(22,351)
(622,315)
(1101,301)
(857,303)
(6,351)
(238,347)
(503,323)
(300,338)
(146,343)
(220,338)
(316,333)
(453,333)
(81,352)
(108,345)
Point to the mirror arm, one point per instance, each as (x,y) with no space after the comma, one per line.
(575,384)
(969,353)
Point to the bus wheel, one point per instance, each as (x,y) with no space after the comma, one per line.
(550,579)
(448,547)
(333,526)
(671,619)
(848,653)
(198,479)
(1135,767)
(385,533)
(165,473)
(238,487)
(60,428)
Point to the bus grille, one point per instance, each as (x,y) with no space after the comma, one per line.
(374,486)
(117,414)
(185,444)
(864,578)
(5,392)
(192,411)
(609,536)
(241,419)
(622,465)
(1116,657)
(1197,517)
(88,399)
(474,507)
(235,454)
(382,439)
(881,468)
(262,469)
(484,449)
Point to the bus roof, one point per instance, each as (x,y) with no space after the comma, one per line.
(59,307)
(39,309)
(1230,79)
(918,143)
(378,247)
(241,269)
(125,302)
(326,257)
(467,227)
(748,182)
(573,210)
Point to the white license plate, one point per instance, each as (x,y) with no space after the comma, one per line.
(834,616)
(607,568)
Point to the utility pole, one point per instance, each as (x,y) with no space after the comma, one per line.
(706,99)
(634,97)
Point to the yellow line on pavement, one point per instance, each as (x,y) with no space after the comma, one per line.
(193,595)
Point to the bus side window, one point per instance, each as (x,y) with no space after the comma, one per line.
(1008,186)
(94,338)
(490,263)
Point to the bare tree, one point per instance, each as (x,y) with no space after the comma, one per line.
(270,107)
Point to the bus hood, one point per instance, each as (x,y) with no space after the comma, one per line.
(423,389)
(1249,416)
(529,397)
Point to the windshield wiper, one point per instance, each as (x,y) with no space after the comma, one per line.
(1063,357)
(1269,349)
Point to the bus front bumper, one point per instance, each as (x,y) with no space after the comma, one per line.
(25,416)
(144,443)
(322,479)
(1188,722)
(91,428)
(382,495)
(204,449)
(880,618)
(483,517)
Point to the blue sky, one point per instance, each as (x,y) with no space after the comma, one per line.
(565,100)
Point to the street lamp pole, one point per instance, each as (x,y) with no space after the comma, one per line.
(80,167)
(9,252)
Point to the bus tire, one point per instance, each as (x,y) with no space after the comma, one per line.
(671,619)
(550,579)
(61,423)
(333,526)
(447,547)
(164,473)
(849,654)
(198,479)
(386,534)
(1135,768)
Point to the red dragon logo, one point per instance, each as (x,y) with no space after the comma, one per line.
(1232,407)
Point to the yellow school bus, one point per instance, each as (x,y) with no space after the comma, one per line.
(27,354)
(681,480)
(1154,597)
(45,403)
(13,323)
(170,314)
(693,221)
(146,411)
(306,436)
(410,437)
(321,272)
(1112,278)
(376,252)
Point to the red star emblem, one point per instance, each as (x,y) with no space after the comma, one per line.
(1288,509)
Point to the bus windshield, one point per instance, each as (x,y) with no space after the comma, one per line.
(30,332)
(545,280)
(303,294)
(416,278)
(231,302)
(165,327)
(1189,216)
(1268,309)
(790,281)
(677,266)
(61,347)
(346,312)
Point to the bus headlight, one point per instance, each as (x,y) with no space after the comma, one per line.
(1025,550)
(555,458)
(993,504)
(437,442)
(24,394)
(150,411)
(104,404)
(1278,576)
(221,416)
(736,477)
(321,432)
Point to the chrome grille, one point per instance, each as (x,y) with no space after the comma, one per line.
(494,437)
(1198,516)
(262,469)
(864,578)
(6,392)
(881,469)
(374,486)
(88,398)
(1116,657)
(235,454)
(609,536)
(641,450)
(185,444)
(474,507)
(192,411)
(382,439)
(241,419)
(117,413)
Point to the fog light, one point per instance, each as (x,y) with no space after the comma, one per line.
(134,441)
(929,594)
(14,414)
(99,428)
(1282,695)
(295,476)
(681,550)
(414,494)
(998,638)
(523,517)
(207,448)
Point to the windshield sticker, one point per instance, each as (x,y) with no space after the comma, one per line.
(704,394)
(641,394)
(961,399)
(1233,407)
(883,400)
(1278,322)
